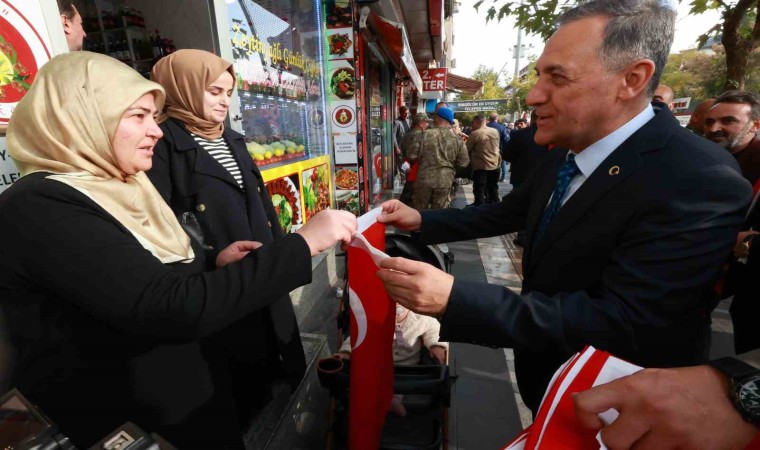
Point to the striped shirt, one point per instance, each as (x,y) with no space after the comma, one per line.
(221,152)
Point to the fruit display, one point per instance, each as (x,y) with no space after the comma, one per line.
(286,201)
(316,190)
(275,152)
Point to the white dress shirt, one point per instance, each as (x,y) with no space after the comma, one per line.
(592,157)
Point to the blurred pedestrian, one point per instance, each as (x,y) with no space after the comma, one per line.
(485,161)
(410,148)
(442,153)
(493,122)
(697,119)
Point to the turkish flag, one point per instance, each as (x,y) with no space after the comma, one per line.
(556,424)
(372,326)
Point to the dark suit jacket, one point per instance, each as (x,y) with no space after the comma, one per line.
(89,311)
(627,265)
(523,154)
(266,343)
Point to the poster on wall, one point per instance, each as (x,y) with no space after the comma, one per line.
(25,46)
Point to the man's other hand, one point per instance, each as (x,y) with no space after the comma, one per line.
(664,409)
(416,285)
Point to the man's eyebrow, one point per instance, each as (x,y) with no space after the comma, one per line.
(555,68)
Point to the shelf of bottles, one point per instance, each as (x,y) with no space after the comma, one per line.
(123,36)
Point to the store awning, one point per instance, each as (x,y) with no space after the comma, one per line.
(396,44)
(463,85)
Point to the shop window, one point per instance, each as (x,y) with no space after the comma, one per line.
(277,59)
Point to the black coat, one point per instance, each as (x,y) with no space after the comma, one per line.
(101,332)
(266,343)
(523,154)
(627,265)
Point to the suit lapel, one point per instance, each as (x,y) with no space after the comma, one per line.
(621,163)
(538,203)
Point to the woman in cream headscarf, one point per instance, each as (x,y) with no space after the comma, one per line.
(203,167)
(97,276)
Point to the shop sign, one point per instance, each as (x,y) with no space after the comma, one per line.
(478,105)
(434,79)
(345,148)
(275,52)
(681,103)
(24,48)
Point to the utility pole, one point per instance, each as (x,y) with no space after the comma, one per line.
(519,52)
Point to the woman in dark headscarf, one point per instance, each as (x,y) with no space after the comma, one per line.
(98,279)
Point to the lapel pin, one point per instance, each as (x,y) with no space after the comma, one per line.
(615,170)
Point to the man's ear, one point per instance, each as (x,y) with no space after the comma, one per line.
(636,78)
(755,125)
(66,24)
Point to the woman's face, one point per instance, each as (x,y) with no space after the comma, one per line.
(216,98)
(136,136)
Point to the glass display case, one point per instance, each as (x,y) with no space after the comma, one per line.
(277,57)
(276,52)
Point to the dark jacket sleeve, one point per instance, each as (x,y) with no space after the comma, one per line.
(490,219)
(666,259)
(89,259)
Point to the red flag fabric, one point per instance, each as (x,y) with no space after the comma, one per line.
(372,326)
(556,425)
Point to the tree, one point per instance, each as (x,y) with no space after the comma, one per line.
(700,75)
(518,88)
(740,27)
(492,88)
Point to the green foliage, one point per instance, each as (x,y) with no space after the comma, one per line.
(519,88)
(492,87)
(701,75)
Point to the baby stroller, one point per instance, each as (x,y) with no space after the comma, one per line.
(426,387)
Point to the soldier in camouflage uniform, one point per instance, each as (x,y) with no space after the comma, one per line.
(439,156)
(411,145)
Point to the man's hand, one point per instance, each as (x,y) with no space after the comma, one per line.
(400,216)
(235,252)
(326,228)
(416,285)
(662,409)
(738,248)
(438,353)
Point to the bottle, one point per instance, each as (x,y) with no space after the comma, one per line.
(158,50)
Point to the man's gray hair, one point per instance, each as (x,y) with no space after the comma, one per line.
(637,29)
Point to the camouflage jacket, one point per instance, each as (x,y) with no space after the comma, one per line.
(410,145)
(441,154)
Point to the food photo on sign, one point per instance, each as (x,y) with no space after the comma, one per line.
(287,201)
(338,13)
(316,190)
(24,48)
(339,44)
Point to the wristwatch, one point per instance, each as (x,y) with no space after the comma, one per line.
(745,386)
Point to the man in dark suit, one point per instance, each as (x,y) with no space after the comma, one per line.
(626,232)
(523,153)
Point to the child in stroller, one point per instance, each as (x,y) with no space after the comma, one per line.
(413,333)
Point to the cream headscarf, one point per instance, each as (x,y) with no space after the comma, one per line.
(65,125)
(185,75)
